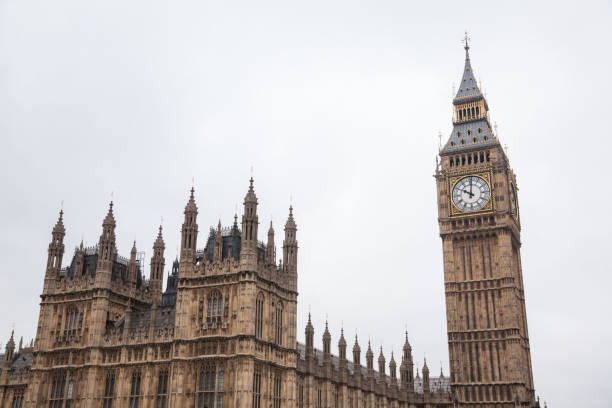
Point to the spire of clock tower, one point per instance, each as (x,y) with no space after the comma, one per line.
(471,125)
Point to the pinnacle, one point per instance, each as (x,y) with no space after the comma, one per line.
(250,196)
(59,225)
(109,220)
(191,205)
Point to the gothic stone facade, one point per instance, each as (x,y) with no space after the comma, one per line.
(223,333)
(479,221)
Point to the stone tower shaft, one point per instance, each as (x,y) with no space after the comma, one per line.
(480,229)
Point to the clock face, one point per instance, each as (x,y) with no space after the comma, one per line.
(471,193)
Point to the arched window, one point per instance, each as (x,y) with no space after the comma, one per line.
(58,385)
(257,388)
(215,308)
(135,390)
(259,306)
(278,324)
(71,320)
(109,391)
(17,399)
(277,390)
(209,392)
(161,400)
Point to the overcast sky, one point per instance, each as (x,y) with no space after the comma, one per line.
(338,104)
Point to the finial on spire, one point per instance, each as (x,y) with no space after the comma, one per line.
(466,41)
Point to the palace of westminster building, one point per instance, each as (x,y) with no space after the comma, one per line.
(223,333)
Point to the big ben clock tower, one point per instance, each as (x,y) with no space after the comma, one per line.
(480,227)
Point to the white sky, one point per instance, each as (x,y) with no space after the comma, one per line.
(339,104)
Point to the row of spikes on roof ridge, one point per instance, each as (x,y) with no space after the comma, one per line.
(407,349)
(109,220)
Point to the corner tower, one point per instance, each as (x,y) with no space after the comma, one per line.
(479,222)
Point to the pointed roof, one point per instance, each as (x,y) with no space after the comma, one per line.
(392,362)
(250,195)
(342,341)
(425,368)
(290,224)
(356,345)
(369,353)
(109,220)
(381,357)
(11,342)
(271,229)
(407,348)
(191,206)
(59,225)
(309,327)
(326,335)
(473,133)
(235,226)
(159,242)
(468,88)
(133,251)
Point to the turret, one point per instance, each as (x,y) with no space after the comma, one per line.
(218,248)
(157,267)
(10,350)
(189,232)
(326,343)
(342,348)
(425,377)
(55,251)
(356,356)
(270,248)
(407,367)
(133,267)
(392,369)
(370,361)
(290,244)
(309,339)
(381,366)
(250,222)
(107,250)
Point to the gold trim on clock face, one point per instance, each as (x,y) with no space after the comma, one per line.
(470,194)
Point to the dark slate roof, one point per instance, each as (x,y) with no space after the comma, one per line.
(469,135)
(22,360)
(90,262)
(232,241)
(468,88)
(169,295)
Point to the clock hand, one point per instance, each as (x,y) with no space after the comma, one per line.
(471,186)
(467,192)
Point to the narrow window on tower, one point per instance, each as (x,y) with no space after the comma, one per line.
(277,390)
(109,391)
(257,388)
(161,400)
(278,333)
(259,305)
(215,308)
(135,390)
